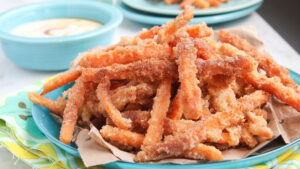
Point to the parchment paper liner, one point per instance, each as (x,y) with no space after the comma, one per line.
(283,120)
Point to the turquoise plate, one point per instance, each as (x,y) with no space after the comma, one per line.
(159,7)
(50,127)
(159,20)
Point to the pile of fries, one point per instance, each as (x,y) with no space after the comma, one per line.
(202,4)
(173,91)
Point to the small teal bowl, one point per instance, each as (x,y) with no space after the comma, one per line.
(49,54)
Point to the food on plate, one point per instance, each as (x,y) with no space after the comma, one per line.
(56,27)
(173,91)
(202,4)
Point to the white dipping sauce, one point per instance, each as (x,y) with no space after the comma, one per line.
(56,27)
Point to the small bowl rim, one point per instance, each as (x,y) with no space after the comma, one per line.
(115,20)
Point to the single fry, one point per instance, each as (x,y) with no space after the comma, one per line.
(194,106)
(167,34)
(124,55)
(112,111)
(70,115)
(158,113)
(56,107)
(122,136)
(176,110)
(61,80)
(204,152)
(258,126)
(177,126)
(200,30)
(143,70)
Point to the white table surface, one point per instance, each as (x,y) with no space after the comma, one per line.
(13,78)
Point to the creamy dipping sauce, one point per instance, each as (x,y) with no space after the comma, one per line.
(56,27)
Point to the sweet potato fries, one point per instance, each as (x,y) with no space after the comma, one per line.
(173,91)
(202,4)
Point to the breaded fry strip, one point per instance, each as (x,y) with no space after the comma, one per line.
(202,4)
(131,94)
(167,34)
(223,98)
(176,145)
(143,70)
(258,126)
(158,113)
(139,120)
(261,112)
(231,137)
(122,136)
(273,86)
(228,66)
(247,138)
(265,62)
(112,111)
(177,126)
(204,50)
(253,100)
(126,54)
(149,34)
(176,109)
(200,30)
(191,95)
(60,80)
(204,152)
(70,115)
(56,107)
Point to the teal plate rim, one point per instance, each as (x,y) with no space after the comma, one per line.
(48,125)
(163,9)
(145,18)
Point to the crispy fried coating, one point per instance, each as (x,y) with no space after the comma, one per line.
(167,34)
(266,63)
(274,86)
(253,100)
(158,113)
(122,136)
(177,126)
(200,30)
(124,55)
(204,152)
(70,114)
(144,70)
(105,99)
(56,107)
(258,126)
(174,146)
(176,109)
(194,106)
(173,91)
(247,138)
(60,80)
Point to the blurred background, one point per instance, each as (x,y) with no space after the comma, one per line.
(284,17)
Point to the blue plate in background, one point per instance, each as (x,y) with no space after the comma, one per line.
(146,18)
(160,7)
(51,128)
